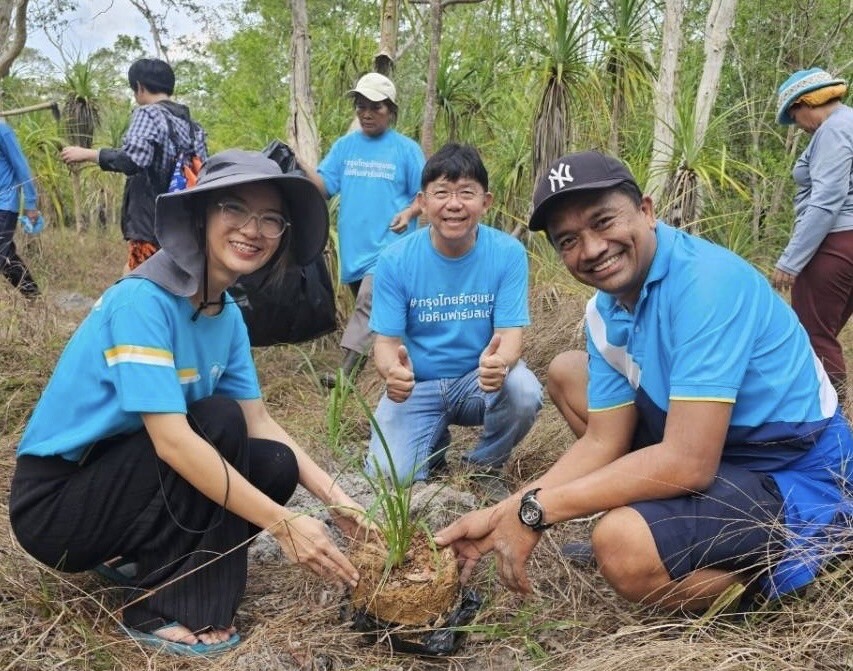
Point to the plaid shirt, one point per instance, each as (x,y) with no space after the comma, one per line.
(148,142)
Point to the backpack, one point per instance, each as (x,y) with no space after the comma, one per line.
(301,305)
(187,164)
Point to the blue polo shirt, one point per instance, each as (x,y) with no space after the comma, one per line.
(708,326)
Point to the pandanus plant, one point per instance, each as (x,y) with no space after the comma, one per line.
(81,119)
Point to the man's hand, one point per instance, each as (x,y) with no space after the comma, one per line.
(401,377)
(781,280)
(74,154)
(496,529)
(401,220)
(493,369)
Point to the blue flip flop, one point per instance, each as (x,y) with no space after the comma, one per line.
(151,640)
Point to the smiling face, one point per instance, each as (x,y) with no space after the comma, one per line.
(233,251)
(606,241)
(453,209)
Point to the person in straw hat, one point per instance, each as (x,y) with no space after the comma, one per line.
(817,264)
(151,440)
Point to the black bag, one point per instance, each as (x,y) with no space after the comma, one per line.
(299,307)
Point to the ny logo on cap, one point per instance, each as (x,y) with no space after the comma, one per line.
(559,176)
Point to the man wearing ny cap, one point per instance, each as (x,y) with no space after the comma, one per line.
(708,432)
(377,172)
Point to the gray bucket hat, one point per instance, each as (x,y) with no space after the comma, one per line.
(178,266)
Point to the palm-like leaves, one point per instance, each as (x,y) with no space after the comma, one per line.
(621,27)
(702,166)
(564,67)
(80,110)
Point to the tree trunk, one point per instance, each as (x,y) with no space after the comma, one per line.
(13,32)
(383,62)
(617,112)
(76,195)
(664,104)
(430,101)
(302,130)
(720,18)
(154,26)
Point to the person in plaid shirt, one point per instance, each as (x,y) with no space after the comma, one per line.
(160,129)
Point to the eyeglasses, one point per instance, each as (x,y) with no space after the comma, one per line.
(464,196)
(236,216)
(372,106)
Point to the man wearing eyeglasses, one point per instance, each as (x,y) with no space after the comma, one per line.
(376,171)
(450,304)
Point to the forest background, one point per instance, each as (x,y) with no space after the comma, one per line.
(683,90)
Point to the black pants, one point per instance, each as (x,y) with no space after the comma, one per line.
(121,499)
(12,266)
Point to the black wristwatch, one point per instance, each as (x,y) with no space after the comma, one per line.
(531,513)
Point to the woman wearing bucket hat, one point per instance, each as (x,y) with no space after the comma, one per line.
(151,440)
(817,264)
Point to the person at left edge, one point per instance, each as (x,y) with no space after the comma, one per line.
(151,440)
(15,177)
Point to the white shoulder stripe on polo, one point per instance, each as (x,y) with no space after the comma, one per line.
(617,357)
(827,394)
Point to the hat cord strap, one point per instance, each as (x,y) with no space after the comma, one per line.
(204,302)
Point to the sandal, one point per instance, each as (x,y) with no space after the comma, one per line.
(152,640)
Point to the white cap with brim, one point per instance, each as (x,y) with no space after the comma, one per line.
(375,87)
(179,265)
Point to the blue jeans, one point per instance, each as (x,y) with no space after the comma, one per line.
(416,431)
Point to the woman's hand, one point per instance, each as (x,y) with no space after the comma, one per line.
(354,523)
(781,280)
(305,540)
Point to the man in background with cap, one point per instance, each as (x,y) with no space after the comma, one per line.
(708,432)
(377,172)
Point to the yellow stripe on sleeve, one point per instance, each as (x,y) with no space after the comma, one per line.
(151,356)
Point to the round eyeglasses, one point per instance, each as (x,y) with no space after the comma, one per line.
(236,216)
(464,196)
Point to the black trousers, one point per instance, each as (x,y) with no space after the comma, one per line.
(121,499)
(11,265)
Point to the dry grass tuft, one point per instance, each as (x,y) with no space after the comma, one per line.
(289,619)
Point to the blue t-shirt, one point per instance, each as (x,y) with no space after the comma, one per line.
(138,351)
(377,177)
(708,326)
(447,309)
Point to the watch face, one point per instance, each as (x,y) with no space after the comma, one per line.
(530,514)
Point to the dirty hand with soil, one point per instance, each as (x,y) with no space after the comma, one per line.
(494,529)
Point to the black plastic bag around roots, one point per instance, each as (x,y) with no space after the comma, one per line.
(440,642)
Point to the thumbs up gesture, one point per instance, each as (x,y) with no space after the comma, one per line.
(493,368)
(401,377)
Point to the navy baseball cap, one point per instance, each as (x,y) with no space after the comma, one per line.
(583,171)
